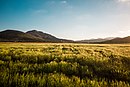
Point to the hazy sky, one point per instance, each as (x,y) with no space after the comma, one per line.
(70,19)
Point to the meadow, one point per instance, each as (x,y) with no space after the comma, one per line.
(64,65)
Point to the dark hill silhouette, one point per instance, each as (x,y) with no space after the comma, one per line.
(14,35)
(29,36)
(44,36)
(38,36)
(118,40)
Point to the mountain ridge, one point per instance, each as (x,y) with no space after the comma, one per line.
(39,36)
(118,40)
(29,36)
(96,40)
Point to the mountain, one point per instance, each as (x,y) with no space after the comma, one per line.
(14,35)
(39,36)
(96,40)
(44,36)
(118,40)
(29,36)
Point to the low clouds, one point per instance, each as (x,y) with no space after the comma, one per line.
(57,2)
(54,2)
(51,2)
(39,11)
(63,2)
(123,0)
(124,32)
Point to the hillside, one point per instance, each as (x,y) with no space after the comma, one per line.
(39,36)
(14,35)
(118,40)
(44,36)
(29,36)
(96,40)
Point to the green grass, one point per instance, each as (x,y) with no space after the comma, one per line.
(64,65)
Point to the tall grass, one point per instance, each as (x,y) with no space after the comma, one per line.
(64,65)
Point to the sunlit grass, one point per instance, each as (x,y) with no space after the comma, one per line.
(64,65)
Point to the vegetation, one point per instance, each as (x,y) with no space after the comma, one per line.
(64,65)
(118,40)
(29,36)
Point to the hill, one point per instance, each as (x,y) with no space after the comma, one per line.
(17,36)
(29,36)
(118,40)
(39,36)
(95,40)
(43,36)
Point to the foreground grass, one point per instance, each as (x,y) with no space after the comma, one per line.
(64,65)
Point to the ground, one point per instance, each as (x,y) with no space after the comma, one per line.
(64,65)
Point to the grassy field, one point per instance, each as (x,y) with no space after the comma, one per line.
(64,65)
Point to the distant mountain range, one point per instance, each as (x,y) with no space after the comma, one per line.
(39,36)
(118,40)
(96,40)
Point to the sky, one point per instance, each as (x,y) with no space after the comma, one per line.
(68,19)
